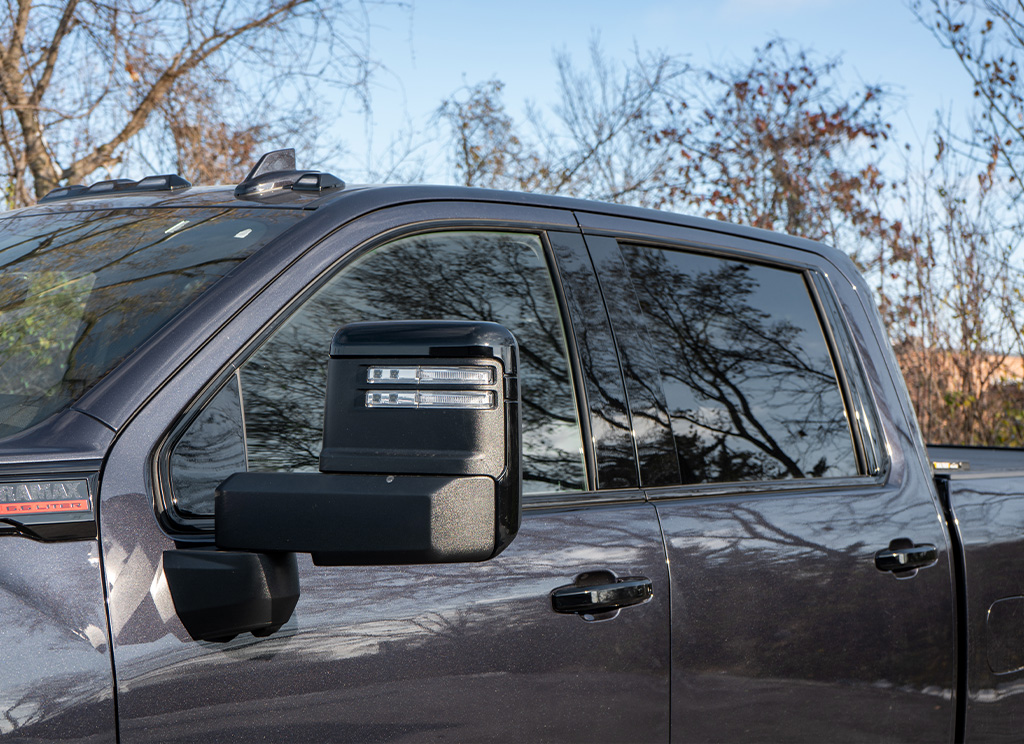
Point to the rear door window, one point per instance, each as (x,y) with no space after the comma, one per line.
(746,374)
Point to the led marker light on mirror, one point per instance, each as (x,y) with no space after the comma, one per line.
(465,399)
(431,375)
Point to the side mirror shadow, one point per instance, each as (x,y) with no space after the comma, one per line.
(421,463)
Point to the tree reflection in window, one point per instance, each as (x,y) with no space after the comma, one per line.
(499,277)
(747,373)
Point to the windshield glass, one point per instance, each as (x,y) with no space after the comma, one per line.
(81,290)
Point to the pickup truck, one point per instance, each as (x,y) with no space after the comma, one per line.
(295,460)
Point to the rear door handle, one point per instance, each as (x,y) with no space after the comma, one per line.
(629,590)
(903,555)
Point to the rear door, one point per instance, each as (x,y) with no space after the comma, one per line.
(772,450)
(469,652)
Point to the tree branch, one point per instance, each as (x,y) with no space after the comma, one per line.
(52,51)
(181,65)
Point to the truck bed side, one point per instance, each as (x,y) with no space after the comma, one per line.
(986,500)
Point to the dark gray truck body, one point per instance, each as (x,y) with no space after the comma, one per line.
(770,618)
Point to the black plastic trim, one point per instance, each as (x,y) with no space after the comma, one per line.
(167,182)
(853,384)
(757,488)
(579,383)
(960,590)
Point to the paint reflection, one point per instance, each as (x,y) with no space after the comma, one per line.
(778,604)
(441,642)
(53,642)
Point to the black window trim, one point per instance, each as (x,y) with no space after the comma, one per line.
(871,452)
(579,387)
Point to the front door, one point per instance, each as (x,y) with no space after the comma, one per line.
(463,652)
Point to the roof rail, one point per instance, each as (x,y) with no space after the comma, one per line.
(167,182)
(275,171)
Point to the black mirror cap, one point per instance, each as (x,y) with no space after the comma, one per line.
(425,441)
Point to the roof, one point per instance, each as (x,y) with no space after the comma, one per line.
(353,200)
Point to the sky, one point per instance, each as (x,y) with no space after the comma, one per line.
(431,48)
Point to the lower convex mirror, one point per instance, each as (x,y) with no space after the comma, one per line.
(219,594)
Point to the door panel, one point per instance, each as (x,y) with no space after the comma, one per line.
(54,648)
(784,630)
(468,652)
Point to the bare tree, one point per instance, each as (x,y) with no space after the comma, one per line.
(780,144)
(85,84)
(777,143)
(957,323)
(987,36)
(951,301)
(486,152)
(599,146)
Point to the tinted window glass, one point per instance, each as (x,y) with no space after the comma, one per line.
(499,277)
(81,291)
(610,425)
(650,425)
(746,371)
(211,449)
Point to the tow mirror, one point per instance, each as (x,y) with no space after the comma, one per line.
(420,460)
(420,464)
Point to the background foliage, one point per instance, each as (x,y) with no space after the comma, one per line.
(91,89)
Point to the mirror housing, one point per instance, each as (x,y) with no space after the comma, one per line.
(421,461)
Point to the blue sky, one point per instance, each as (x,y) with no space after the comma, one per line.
(430,50)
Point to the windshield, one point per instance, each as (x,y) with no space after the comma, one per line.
(79,291)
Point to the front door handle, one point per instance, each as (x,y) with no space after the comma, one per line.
(582,597)
(903,556)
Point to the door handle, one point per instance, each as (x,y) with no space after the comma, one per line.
(590,598)
(903,556)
